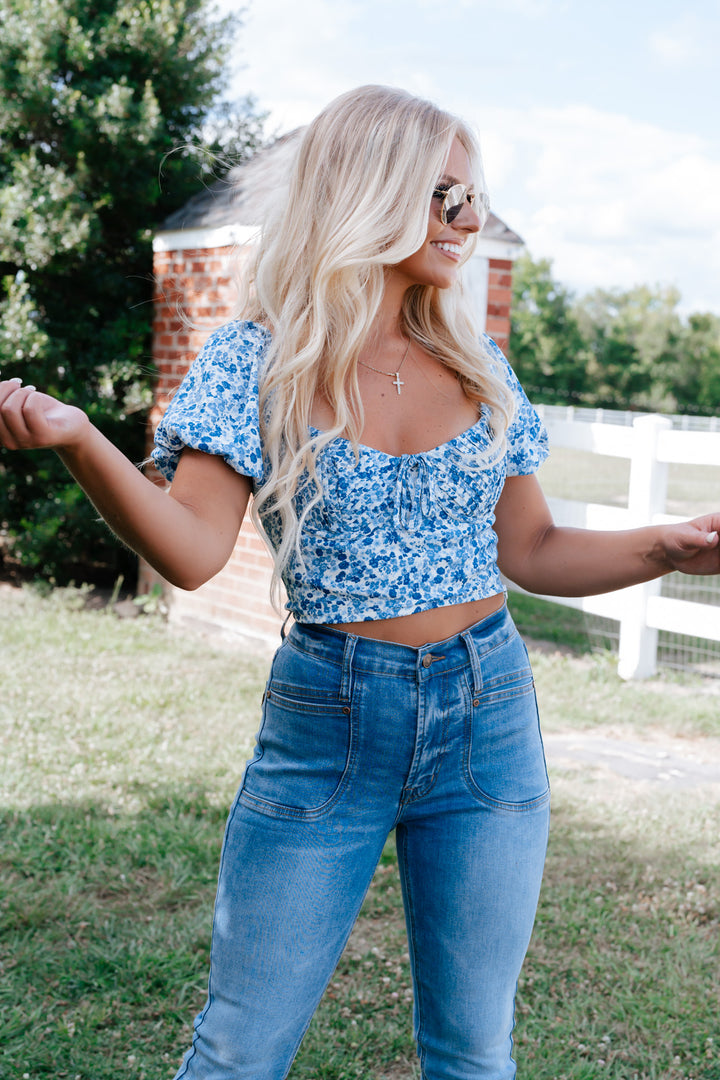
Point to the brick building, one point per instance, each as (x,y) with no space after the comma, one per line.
(198,256)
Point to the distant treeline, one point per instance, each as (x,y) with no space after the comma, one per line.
(613,348)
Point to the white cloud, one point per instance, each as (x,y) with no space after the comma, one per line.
(680,43)
(612,201)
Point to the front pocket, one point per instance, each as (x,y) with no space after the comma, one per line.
(302,755)
(506,760)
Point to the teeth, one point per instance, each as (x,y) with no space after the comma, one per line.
(454,248)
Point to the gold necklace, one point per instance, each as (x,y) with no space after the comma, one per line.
(394,375)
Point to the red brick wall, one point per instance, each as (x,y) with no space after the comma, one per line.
(194,293)
(197,287)
(499,298)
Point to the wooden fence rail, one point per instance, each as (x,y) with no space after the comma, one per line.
(651,443)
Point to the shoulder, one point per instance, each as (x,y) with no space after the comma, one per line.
(234,340)
(496,358)
(228,362)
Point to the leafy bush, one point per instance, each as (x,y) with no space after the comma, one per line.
(109,120)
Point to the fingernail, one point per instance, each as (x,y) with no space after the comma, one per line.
(29,386)
(710,538)
(18,381)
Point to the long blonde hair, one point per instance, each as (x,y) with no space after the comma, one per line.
(357,202)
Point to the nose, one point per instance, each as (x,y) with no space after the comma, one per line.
(468,219)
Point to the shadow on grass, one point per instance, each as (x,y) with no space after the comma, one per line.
(106,935)
(106,923)
(622,978)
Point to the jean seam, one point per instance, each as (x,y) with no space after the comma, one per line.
(521,806)
(279,810)
(412,944)
(210,995)
(321,656)
(414,795)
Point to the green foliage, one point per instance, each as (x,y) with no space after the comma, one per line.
(633,341)
(698,380)
(615,349)
(110,118)
(547,349)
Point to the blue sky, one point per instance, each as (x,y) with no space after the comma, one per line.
(599,122)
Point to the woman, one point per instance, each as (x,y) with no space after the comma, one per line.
(392,456)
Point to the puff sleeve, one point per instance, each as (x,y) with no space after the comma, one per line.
(526,437)
(215,408)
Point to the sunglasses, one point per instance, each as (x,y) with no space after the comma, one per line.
(455,197)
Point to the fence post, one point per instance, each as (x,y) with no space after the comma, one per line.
(646,497)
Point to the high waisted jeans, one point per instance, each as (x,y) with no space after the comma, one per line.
(359,737)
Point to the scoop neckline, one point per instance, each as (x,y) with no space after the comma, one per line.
(482,419)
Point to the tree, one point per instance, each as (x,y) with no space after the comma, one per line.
(105,108)
(696,379)
(612,348)
(634,344)
(546,349)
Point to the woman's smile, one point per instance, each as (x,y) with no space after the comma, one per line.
(453,250)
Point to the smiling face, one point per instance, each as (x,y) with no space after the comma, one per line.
(436,261)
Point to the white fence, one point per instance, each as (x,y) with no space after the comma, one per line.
(651,443)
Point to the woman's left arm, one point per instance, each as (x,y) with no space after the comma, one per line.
(548,559)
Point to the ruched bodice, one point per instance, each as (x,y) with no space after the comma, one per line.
(388,535)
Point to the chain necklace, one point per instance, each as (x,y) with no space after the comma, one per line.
(394,375)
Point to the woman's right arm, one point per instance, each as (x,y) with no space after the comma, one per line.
(187,535)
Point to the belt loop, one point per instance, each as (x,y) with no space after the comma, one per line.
(346,680)
(474,661)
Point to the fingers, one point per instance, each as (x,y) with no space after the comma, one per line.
(693,547)
(15,429)
(31,420)
(707,526)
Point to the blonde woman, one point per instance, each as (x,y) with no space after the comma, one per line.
(391,453)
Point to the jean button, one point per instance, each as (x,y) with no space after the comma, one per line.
(427,660)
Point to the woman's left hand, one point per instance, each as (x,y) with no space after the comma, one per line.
(693,546)
(558,561)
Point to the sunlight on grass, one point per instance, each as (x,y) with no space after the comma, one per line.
(123,743)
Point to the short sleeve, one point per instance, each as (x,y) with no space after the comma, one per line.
(527,438)
(215,408)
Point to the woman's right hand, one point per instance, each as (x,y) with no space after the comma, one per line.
(30,420)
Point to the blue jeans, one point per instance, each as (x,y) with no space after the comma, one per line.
(359,737)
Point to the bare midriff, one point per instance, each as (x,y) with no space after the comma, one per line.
(425,627)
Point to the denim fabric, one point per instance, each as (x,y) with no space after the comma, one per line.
(359,737)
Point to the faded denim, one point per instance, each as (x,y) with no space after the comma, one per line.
(358,737)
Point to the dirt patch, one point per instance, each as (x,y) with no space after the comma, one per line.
(663,759)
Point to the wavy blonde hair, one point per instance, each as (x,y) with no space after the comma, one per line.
(357,202)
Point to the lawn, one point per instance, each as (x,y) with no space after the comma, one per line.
(123,742)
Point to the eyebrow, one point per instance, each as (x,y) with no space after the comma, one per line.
(451,180)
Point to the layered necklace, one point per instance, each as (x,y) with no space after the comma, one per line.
(394,375)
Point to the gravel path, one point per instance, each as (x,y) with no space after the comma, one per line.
(667,761)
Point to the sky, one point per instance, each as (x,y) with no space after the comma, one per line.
(599,121)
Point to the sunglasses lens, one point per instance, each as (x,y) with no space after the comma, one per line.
(453,202)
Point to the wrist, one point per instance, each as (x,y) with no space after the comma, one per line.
(657,556)
(79,440)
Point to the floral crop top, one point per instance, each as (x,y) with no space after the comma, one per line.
(391,535)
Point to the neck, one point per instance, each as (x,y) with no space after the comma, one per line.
(387,326)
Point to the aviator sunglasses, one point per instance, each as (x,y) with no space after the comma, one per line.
(455,197)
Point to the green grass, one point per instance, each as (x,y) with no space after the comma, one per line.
(541,620)
(122,745)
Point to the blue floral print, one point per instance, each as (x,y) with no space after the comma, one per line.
(391,535)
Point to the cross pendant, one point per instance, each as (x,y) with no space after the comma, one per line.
(397,382)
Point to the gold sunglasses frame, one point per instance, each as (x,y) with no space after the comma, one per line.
(461,192)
